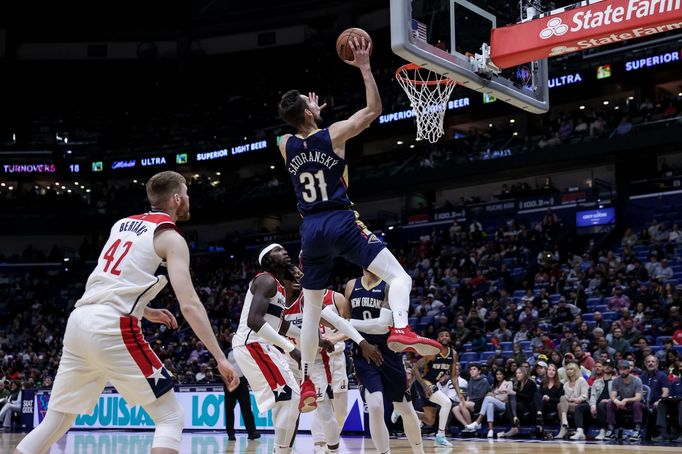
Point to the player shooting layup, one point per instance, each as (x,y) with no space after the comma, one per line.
(103,341)
(315,159)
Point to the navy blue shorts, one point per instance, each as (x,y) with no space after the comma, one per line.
(330,234)
(389,378)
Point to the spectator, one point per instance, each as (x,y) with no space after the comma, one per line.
(618,343)
(549,395)
(626,396)
(600,396)
(662,354)
(479,343)
(477,389)
(496,400)
(656,380)
(629,238)
(518,356)
(503,334)
(618,301)
(664,271)
(521,400)
(667,407)
(12,406)
(462,333)
(573,401)
(599,322)
(585,360)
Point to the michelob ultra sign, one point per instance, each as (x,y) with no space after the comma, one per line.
(589,26)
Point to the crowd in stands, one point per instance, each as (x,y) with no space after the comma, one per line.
(513,300)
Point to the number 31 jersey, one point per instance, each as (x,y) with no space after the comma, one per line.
(319,175)
(125,278)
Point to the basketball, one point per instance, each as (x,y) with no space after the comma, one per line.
(343,49)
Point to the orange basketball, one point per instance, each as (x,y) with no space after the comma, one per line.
(343,49)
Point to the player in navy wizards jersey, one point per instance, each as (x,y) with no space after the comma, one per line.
(366,301)
(315,160)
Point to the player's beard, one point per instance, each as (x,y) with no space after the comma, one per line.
(182,213)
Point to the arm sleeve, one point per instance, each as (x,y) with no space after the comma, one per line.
(329,314)
(269,334)
(375,325)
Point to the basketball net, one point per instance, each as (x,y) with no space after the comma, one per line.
(429,93)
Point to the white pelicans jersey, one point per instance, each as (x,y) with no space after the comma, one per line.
(125,278)
(246,335)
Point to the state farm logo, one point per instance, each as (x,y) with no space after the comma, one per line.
(554,28)
(560,50)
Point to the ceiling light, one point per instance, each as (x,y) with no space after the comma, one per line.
(631,98)
(582,107)
(606,103)
(617,107)
(512,121)
(490,125)
(412,146)
(400,142)
(515,133)
(272,167)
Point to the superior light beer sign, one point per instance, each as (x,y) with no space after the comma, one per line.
(593,25)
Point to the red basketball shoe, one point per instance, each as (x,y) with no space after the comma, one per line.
(404,339)
(308,400)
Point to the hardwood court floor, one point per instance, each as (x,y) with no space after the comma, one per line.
(119,442)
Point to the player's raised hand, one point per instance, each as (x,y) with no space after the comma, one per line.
(326,345)
(371,353)
(362,49)
(229,374)
(314,101)
(162,316)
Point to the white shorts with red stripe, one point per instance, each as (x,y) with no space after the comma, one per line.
(100,346)
(268,373)
(337,363)
(320,375)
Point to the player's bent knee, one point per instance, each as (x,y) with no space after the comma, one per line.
(169,418)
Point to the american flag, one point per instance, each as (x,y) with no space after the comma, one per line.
(418,30)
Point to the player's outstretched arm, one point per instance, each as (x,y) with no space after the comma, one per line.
(173,248)
(264,289)
(341,131)
(330,314)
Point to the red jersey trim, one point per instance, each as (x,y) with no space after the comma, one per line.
(155,218)
(280,288)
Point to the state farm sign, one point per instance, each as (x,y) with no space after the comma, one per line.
(582,28)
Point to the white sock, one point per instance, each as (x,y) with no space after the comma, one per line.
(387,267)
(411,425)
(310,330)
(377,426)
